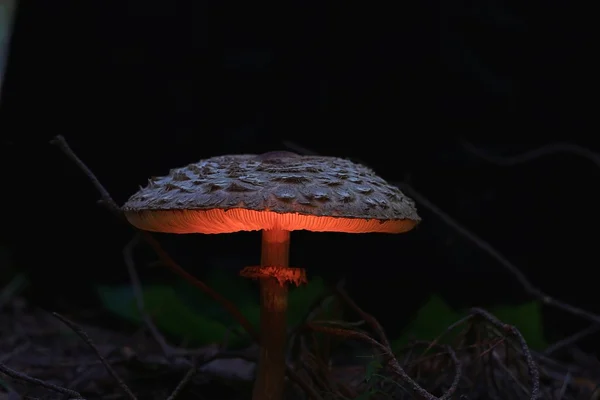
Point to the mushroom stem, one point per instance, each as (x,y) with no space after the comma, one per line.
(270,378)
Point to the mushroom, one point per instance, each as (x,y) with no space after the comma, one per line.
(276,193)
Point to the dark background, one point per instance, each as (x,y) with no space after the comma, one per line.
(140,87)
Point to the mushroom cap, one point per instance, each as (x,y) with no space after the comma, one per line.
(277,190)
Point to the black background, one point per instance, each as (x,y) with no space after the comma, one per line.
(140,87)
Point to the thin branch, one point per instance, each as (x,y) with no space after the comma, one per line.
(136,285)
(38,382)
(84,336)
(60,142)
(182,384)
(495,254)
(513,331)
(570,340)
(109,202)
(549,149)
(546,150)
(368,318)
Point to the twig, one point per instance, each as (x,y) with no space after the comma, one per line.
(60,142)
(88,367)
(509,373)
(34,381)
(17,350)
(549,149)
(84,336)
(569,340)
(531,364)
(564,386)
(186,379)
(509,266)
(136,285)
(109,202)
(368,318)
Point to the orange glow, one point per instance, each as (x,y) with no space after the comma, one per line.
(240,219)
(282,274)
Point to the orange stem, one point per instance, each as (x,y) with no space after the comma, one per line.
(270,379)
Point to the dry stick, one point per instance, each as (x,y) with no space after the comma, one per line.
(293,334)
(84,336)
(368,318)
(549,149)
(186,379)
(569,340)
(531,365)
(34,381)
(532,155)
(446,331)
(393,362)
(136,284)
(509,266)
(109,202)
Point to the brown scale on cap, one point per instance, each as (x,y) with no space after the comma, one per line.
(277,190)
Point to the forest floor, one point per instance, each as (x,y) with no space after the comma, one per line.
(47,356)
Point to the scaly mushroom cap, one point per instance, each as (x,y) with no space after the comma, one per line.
(278,190)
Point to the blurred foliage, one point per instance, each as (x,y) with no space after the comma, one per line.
(7,10)
(435,316)
(186,313)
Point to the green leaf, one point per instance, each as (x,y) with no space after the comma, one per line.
(172,316)
(372,368)
(301,298)
(431,320)
(434,317)
(527,318)
(227,283)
